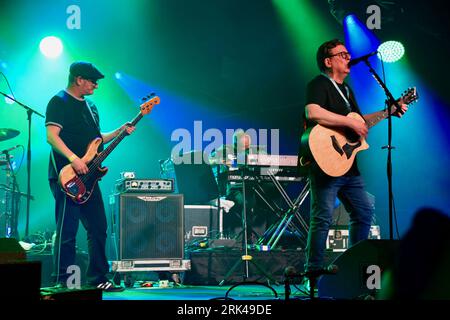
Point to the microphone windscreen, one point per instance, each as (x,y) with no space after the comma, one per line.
(333,269)
(289,271)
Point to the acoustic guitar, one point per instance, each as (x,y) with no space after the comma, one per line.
(335,149)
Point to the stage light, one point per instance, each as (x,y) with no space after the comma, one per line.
(391,51)
(118,75)
(51,47)
(350,20)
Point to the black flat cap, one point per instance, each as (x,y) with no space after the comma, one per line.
(85,70)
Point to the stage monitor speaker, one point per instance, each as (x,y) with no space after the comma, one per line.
(20,280)
(350,282)
(11,250)
(149,226)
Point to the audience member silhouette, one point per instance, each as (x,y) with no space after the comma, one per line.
(421,268)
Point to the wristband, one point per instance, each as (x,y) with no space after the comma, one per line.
(73,157)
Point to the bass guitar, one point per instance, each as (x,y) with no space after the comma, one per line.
(79,188)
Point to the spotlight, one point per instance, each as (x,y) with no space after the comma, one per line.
(391,51)
(118,75)
(51,47)
(340,9)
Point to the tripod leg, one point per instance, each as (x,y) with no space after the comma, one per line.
(265,274)
(230,272)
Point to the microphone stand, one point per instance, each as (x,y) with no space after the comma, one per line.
(312,277)
(11,228)
(389,101)
(29,114)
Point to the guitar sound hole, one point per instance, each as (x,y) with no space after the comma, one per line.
(351,136)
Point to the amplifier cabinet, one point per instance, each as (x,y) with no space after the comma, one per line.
(201,221)
(147,226)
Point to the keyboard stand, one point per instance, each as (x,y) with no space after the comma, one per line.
(278,228)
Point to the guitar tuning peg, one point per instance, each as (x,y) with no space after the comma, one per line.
(144,99)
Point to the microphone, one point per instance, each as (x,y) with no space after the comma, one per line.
(362,58)
(331,269)
(9,149)
(290,272)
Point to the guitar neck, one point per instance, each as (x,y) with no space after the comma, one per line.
(102,156)
(380,116)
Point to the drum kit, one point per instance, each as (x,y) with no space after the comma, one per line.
(7,189)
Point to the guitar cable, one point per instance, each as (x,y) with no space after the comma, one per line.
(59,237)
(59,232)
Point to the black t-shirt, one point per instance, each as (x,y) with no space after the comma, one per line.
(321,91)
(79,123)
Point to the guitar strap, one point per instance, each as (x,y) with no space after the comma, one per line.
(90,106)
(347,103)
(52,157)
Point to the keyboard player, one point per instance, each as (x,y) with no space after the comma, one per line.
(232,157)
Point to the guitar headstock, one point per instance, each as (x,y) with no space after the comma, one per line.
(410,95)
(149,102)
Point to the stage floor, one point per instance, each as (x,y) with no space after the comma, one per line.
(186,292)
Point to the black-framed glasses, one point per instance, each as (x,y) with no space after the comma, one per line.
(343,54)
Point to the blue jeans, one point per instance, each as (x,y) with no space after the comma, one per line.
(323,192)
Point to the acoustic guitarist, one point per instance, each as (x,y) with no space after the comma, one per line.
(328,101)
(72,122)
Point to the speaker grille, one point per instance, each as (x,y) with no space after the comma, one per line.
(151,226)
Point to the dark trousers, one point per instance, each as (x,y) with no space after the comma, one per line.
(68,214)
(323,191)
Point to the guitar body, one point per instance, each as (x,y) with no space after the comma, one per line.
(80,188)
(333,150)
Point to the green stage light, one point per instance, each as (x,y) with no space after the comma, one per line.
(51,47)
(391,51)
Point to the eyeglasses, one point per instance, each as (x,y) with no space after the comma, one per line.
(94,82)
(343,54)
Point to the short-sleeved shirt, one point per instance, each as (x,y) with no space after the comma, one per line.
(79,123)
(322,92)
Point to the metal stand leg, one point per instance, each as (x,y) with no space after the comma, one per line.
(246,258)
(286,219)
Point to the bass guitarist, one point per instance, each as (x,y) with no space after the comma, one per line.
(72,122)
(328,101)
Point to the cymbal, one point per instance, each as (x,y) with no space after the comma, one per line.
(6,134)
